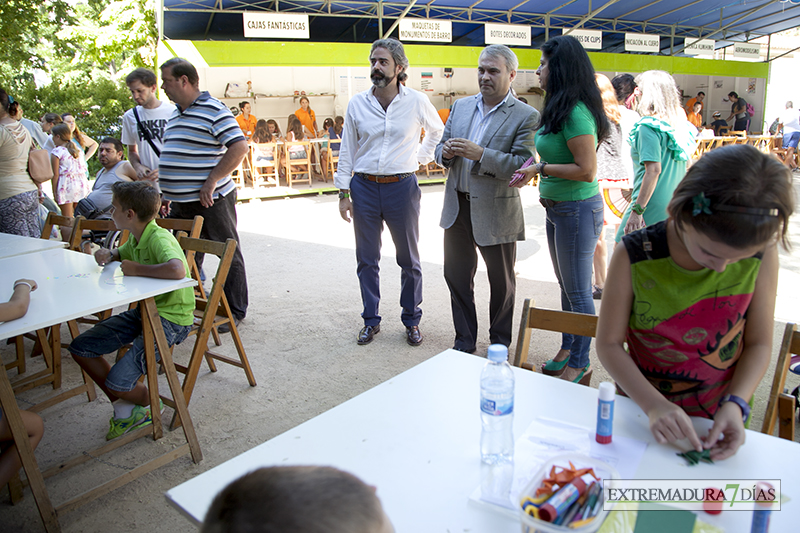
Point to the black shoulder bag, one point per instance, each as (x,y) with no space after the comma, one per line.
(145,133)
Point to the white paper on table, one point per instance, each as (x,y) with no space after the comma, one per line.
(546,438)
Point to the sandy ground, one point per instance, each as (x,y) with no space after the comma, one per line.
(300,337)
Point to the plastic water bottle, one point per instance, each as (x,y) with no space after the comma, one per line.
(497,408)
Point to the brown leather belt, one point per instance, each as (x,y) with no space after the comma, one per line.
(385,179)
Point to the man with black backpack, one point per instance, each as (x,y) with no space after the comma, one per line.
(143,126)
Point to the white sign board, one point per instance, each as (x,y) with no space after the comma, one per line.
(439,31)
(590,39)
(642,42)
(703,47)
(275,25)
(507,34)
(749,50)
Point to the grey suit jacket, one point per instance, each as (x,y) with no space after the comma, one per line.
(496,209)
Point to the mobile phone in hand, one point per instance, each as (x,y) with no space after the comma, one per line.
(518,176)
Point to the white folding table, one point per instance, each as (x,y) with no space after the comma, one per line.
(15,245)
(71,285)
(416,437)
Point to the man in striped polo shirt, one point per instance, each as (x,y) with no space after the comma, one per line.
(203,144)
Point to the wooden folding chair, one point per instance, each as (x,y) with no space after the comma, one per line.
(333,160)
(212,311)
(48,341)
(265,172)
(52,219)
(116,237)
(295,167)
(781,406)
(549,320)
(237,175)
(433,168)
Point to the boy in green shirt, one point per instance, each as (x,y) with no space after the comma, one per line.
(153,252)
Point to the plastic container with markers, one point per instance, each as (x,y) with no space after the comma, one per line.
(531,524)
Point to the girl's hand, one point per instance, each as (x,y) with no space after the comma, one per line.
(635,222)
(728,424)
(670,423)
(23,281)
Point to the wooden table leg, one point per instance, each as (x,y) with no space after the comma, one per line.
(149,338)
(55,348)
(11,412)
(152,328)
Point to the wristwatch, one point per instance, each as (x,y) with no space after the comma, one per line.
(740,402)
(344,194)
(639,210)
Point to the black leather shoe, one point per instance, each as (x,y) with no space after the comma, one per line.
(414,335)
(472,351)
(226,327)
(367,333)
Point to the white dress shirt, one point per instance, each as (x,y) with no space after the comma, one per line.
(385,143)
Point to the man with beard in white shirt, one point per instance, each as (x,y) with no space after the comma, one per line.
(378,158)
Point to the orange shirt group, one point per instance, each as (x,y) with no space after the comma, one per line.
(306,118)
(248,125)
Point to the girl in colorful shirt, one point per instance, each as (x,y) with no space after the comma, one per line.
(69,184)
(694,297)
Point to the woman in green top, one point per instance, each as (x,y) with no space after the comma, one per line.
(573,121)
(661,144)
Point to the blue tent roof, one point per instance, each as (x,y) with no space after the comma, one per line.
(725,21)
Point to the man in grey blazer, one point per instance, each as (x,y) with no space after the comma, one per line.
(487,137)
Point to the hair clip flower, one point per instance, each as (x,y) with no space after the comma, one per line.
(700,204)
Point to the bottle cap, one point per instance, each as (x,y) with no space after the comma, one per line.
(607,391)
(497,353)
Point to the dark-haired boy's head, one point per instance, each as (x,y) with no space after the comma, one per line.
(144,76)
(298,499)
(139,196)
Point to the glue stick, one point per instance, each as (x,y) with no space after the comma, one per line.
(561,500)
(762,509)
(605,412)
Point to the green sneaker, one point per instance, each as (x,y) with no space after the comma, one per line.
(147,411)
(119,426)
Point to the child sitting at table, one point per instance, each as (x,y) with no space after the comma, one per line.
(307,499)
(15,308)
(694,298)
(720,126)
(153,252)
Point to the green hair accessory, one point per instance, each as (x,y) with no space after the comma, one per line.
(700,204)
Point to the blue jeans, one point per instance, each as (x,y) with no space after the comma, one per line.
(397,205)
(115,332)
(572,232)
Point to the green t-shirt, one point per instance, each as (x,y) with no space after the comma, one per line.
(553,149)
(654,140)
(156,247)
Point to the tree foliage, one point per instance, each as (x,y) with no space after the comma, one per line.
(24,24)
(70,56)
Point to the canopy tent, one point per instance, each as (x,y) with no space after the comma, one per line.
(677,22)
